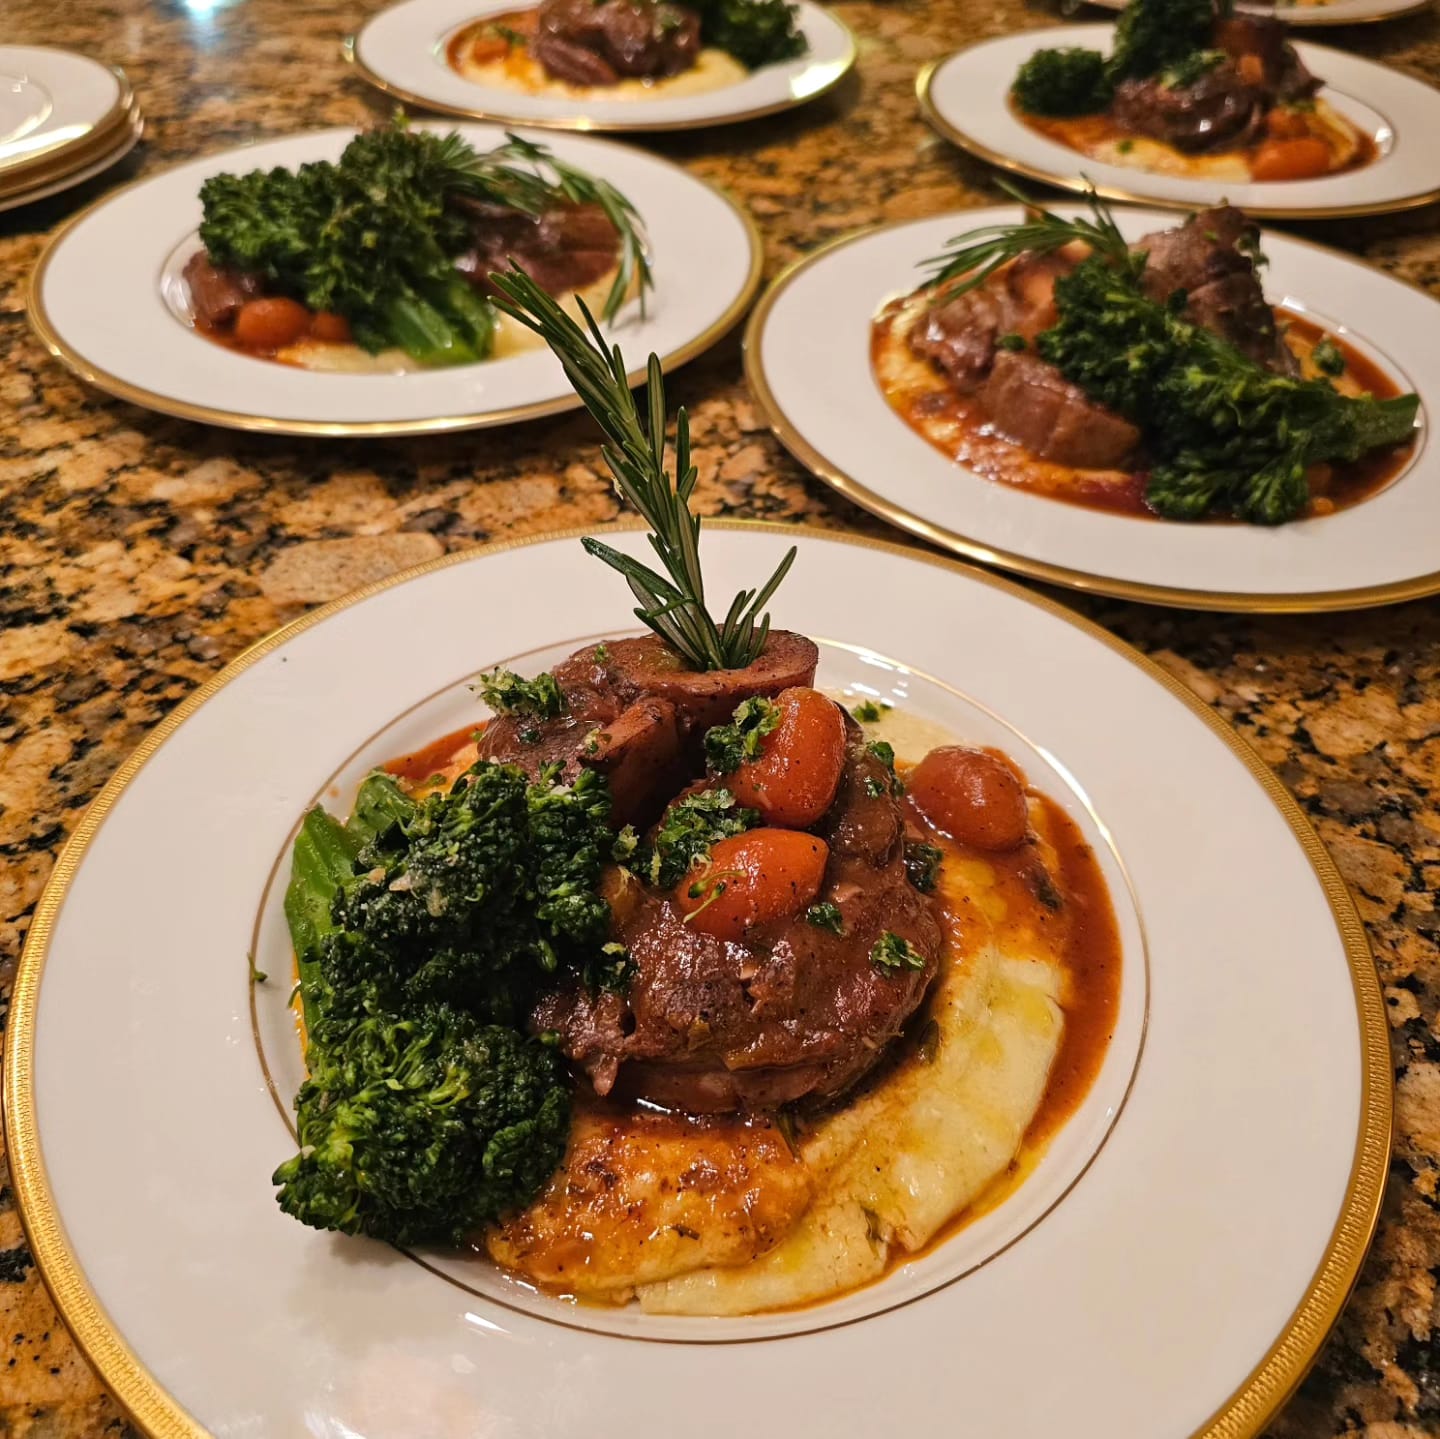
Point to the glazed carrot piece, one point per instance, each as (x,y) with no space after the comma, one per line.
(970,795)
(794,779)
(1290,160)
(270,322)
(1282,124)
(753,878)
(332,328)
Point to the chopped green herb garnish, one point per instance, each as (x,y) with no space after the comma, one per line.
(1012,341)
(892,954)
(875,787)
(602,654)
(689,829)
(884,751)
(612,971)
(1329,357)
(826,916)
(872,711)
(508,694)
(922,864)
(729,746)
(257,976)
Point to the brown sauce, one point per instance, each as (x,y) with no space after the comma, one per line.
(1068,902)
(495,38)
(1088,134)
(958,426)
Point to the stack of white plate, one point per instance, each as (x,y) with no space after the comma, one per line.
(63,118)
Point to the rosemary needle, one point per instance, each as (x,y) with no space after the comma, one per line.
(673,603)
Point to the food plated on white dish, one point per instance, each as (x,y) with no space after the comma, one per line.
(284,287)
(721,982)
(1182,103)
(1315,12)
(984,392)
(616,65)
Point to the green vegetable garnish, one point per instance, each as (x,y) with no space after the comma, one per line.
(755,32)
(729,746)
(1224,432)
(418,1129)
(414,924)
(1063,82)
(686,834)
(826,916)
(1154,35)
(375,235)
(673,604)
(507,693)
(922,864)
(867,712)
(892,954)
(1329,358)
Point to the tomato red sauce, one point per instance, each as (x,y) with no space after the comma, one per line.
(438,757)
(957,425)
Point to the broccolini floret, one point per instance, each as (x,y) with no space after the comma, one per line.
(755,32)
(421,928)
(1227,434)
(1064,82)
(419,1129)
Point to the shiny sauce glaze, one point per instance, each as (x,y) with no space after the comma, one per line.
(495,39)
(1098,136)
(748,1183)
(957,425)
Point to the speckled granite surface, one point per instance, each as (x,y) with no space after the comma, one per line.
(138,554)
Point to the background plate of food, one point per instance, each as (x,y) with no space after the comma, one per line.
(238,296)
(821,987)
(1270,453)
(1186,114)
(1317,12)
(574,64)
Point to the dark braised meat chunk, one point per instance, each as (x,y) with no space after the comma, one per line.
(1210,259)
(1218,111)
(636,714)
(1033,404)
(1259,47)
(216,294)
(564,249)
(961,335)
(601,44)
(794,1012)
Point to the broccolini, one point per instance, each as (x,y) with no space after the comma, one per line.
(375,235)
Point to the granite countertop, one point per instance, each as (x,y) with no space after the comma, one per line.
(138,554)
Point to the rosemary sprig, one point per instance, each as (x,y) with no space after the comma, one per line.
(672,604)
(526,176)
(970,259)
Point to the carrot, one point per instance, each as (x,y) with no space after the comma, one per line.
(333,329)
(793,780)
(751,879)
(1290,160)
(1283,124)
(971,796)
(270,322)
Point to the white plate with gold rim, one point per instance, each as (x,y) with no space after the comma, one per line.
(1317,12)
(966,97)
(42,189)
(1186,1242)
(808,359)
(132,246)
(59,111)
(404,51)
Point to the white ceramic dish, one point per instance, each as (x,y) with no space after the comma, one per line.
(1175,1277)
(807,355)
(1318,12)
(402,51)
(132,245)
(129,137)
(56,108)
(966,98)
